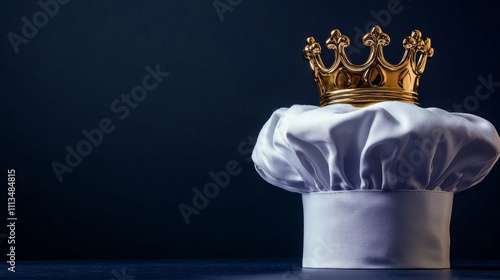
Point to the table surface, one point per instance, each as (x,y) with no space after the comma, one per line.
(282,269)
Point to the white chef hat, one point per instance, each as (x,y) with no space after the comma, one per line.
(377,182)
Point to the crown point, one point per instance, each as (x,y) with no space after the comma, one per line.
(337,40)
(376,37)
(416,34)
(376,29)
(335,33)
(311,49)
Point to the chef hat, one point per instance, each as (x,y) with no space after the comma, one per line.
(377,182)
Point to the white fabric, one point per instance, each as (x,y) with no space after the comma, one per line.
(385,146)
(377,229)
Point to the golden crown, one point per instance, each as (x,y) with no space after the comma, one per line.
(374,81)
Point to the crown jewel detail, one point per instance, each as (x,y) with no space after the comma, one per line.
(374,81)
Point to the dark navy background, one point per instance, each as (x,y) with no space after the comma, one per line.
(227,74)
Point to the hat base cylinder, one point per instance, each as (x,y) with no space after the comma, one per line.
(377,229)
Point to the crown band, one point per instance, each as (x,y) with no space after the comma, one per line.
(361,97)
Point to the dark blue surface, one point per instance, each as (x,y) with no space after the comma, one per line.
(234,269)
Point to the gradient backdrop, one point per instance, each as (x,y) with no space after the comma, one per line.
(230,64)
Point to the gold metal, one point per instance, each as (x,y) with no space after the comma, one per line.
(374,81)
